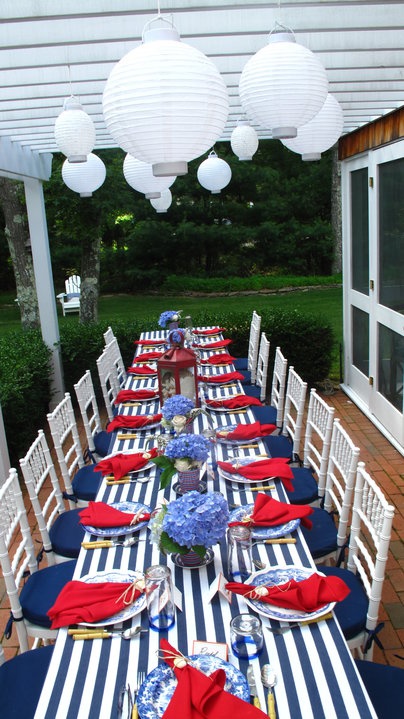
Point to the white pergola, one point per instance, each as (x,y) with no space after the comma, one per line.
(53,48)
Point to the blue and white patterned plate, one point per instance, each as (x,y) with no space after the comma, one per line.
(281,575)
(230,428)
(237,515)
(130,508)
(157,689)
(241,461)
(117,575)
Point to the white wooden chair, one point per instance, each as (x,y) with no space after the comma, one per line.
(109,336)
(98,439)
(273,413)
(258,386)
(248,365)
(70,300)
(114,359)
(30,596)
(60,530)
(372,518)
(109,382)
(287,444)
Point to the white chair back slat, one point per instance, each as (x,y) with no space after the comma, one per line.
(109,382)
(279,385)
(86,398)
(317,441)
(262,366)
(294,410)
(109,336)
(115,362)
(253,345)
(65,435)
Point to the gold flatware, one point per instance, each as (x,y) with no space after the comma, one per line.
(249,446)
(268,678)
(290,627)
(107,543)
(111,478)
(126,435)
(262,489)
(131,404)
(277,540)
(84,633)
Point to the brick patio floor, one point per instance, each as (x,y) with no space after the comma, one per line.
(386,466)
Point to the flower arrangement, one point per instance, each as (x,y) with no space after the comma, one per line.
(193,522)
(178,412)
(187,451)
(169,316)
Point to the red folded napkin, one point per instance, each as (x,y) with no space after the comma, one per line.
(131,395)
(222,358)
(238,400)
(134,421)
(268,512)
(87,602)
(120,464)
(309,595)
(262,469)
(198,696)
(221,378)
(214,345)
(212,331)
(147,356)
(142,369)
(99,514)
(149,342)
(247,431)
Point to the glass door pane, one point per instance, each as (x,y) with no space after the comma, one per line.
(391,366)
(391,235)
(360,340)
(360,230)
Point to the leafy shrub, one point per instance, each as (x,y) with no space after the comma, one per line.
(178,284)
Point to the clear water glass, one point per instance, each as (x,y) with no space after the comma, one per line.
(239,553)
(246,636)
(159,597)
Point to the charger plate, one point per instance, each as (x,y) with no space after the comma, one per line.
(157,689)
(242,461)
(231,428)
(117,575)
(130,508)
(236,515)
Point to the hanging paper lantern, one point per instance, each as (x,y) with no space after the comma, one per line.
(139,175)
(214,174)
(321,133)
(74,131)
(283,85)
(165,102)
(84,177)
(244,141)
(161,204)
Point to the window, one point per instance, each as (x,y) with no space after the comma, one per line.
(360,230)
(391,235)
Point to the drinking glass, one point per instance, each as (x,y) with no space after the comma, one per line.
(239,556)
(246,637)
(159,597)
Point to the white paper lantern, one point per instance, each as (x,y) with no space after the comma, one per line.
(244,141)
(283,86)
(84,177)
(74,131)
(321,133)
(139,175)
(165,102)
(214,174)
(161,204)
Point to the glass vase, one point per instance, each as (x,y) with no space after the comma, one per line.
(192,560)
(189,480)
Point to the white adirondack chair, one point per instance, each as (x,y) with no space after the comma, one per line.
(70,300)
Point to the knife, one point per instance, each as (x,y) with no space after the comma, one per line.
(253,687)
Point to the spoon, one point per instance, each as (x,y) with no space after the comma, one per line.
(268,678)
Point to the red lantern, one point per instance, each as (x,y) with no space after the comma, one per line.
(177,370)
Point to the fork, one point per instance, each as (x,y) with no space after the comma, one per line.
(140,679)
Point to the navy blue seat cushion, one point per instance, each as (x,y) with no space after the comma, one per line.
(247,377)
(86,482)
(21,681)
(278,446)
(304,486)
(322,537)
(102,441)
(252,390)
(241,363)
(351,612)
(265,414)
(40,590)
(67,534)
(385,686)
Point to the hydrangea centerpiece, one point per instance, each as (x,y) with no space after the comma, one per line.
(178,412)
(169,316)
(187,451)
(193,522)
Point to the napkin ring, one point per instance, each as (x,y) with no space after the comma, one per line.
(129,595)
(179,660)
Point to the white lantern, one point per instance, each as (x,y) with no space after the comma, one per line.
(165,102)
(214,174)
(321,133)
(161,204)
(244,141)
(84,177)
(139,175)
(74,131)
(283,86)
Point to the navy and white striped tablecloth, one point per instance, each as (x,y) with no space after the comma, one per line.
(316,677)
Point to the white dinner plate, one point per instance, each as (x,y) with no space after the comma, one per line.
(132,430)
(157,689)
(230,428)
(130,508)
(116,575)
(281,575)
(237,515)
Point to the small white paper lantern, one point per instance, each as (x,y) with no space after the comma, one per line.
(214,174)
(321,133)
(161,204)
(139,175)
(165,102)
(84,177)
(74,131)
(244,141)
(283,86)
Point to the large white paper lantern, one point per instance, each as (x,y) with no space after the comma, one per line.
(283,86)
(74,131)
(244,141)
(84,177)
(165,102)
(161,204)
(321,133)
(139,175)
(214,174)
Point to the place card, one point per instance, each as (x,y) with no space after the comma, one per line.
(212,649)
(218,586)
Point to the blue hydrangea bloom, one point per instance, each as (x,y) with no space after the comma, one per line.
(167,317)
(178,404)
(188,446)
(197,519)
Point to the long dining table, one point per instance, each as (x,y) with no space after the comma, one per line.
(315,672)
